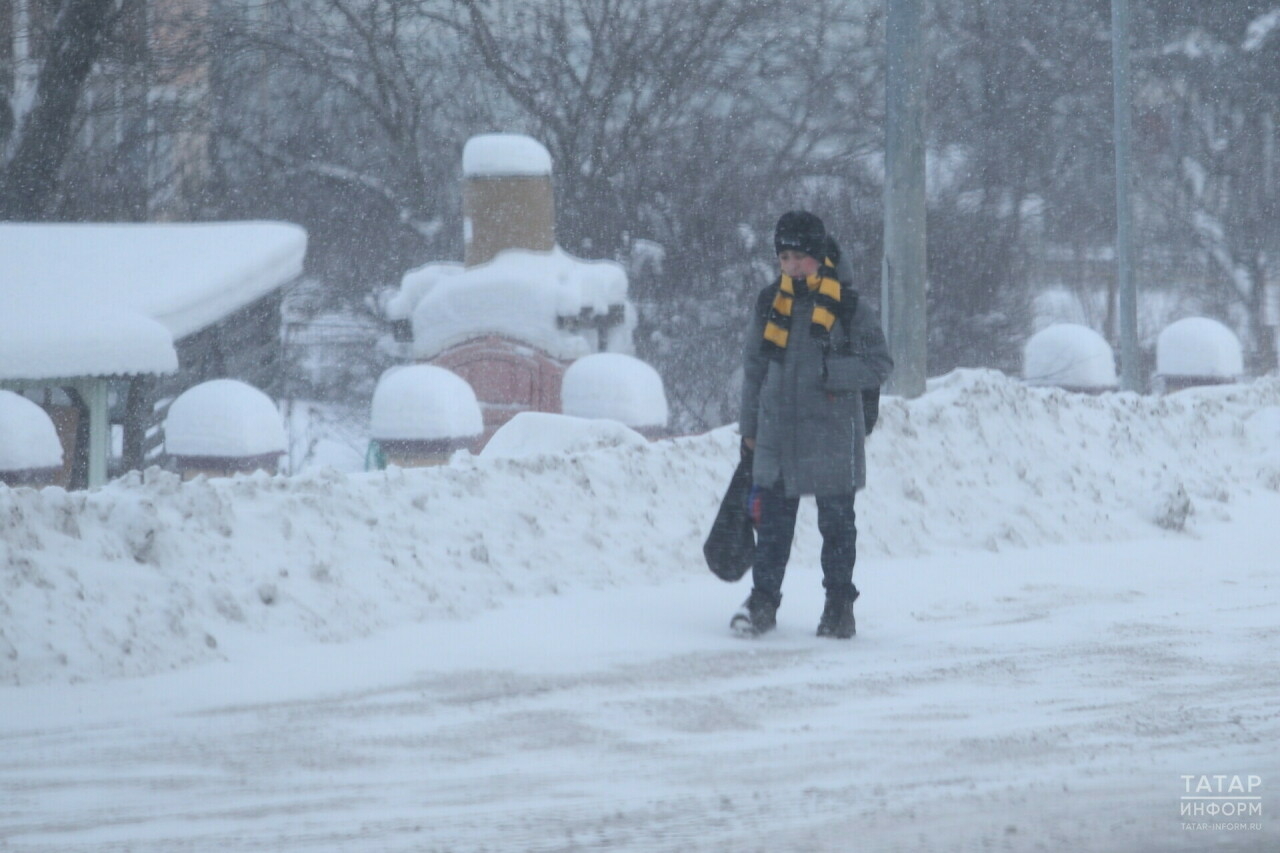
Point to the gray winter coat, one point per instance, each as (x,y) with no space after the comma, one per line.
(810,440)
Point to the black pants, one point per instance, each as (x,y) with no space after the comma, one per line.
(775,516)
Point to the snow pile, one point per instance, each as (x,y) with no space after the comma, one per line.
(1069,356)
(28,439)
(1199,347)
(616,387)
(543,433)
(417,283)
(151,573)
(422,402)
(531,297)
(492,155)
(224,418)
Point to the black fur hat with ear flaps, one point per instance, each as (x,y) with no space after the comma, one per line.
(802,231)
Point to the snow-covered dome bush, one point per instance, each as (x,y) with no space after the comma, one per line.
(1069,356)
(616,387)
(504,154)
(542,433)
(1199,347)
(423,402)
(223,418)
(28,439)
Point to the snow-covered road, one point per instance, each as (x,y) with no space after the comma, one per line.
(1038,699)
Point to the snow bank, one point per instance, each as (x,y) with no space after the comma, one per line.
(28,438)
(504,154)
(617,387)
(541,433)
(1198,346)
(223,418)
(524,295)
(1069,356)
(422,402)
(150,573)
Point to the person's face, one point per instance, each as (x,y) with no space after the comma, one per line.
(797,264)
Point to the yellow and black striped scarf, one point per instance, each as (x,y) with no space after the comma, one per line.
(826,294)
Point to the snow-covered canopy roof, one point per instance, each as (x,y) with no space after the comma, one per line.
(1198,346)
(543,433)
(493,155)
(224,418)
(423,402)
(28,439)
(1070,356)
(55,336)
(520,294)
(92,299)
(616,387)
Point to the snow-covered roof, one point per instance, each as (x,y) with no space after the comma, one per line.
(422,402)
(520,294)
(48,337)
(224,418)
(543,433)
(1069,355)
(615,387)
(503,155)
(28,439)
(1198,346)
(75,292)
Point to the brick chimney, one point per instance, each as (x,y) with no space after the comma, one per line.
(507,200)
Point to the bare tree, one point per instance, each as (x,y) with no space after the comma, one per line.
(37,131)
(1213,174)
(686,129)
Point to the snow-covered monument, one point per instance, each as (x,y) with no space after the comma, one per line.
(513,317)
(103,322)
(1197,351)
(1069,356)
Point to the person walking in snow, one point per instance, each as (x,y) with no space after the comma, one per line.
(812,350)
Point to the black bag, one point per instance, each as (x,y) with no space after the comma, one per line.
(730,548)
(870,408)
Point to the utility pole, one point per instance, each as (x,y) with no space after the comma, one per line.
(1129,378)
(903,267)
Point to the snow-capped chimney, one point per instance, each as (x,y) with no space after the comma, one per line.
(507,201)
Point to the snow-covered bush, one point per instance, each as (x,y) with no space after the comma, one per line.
(1201,348)
(1067,355)
(28,439)
(223,418)
(423,402)
(615,387)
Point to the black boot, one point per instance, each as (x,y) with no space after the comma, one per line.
(837,616)
(758,614)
